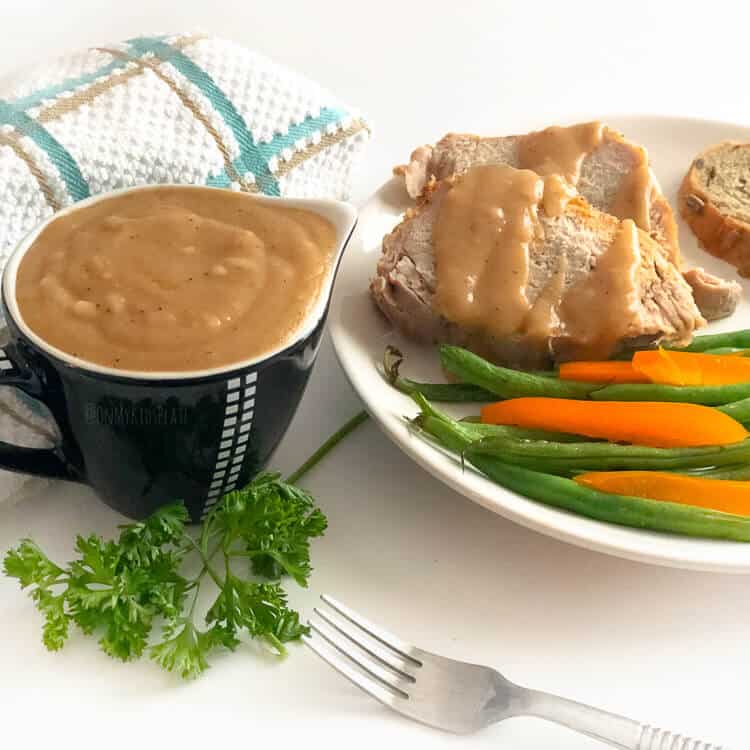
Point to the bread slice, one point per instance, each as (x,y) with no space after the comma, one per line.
(405,283)
(714,200)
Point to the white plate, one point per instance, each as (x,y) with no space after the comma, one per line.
(360,335)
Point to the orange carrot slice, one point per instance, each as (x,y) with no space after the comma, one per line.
(725,495)
(691,368)
(602,372)
(654,423)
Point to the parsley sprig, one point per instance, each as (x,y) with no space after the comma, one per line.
(123,590)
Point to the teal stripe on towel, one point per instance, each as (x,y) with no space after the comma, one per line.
(251,156)
(279,142)
(65,164)
(219,180)
(309,126)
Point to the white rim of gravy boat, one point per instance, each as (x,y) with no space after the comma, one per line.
(342,215)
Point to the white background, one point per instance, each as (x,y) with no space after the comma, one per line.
(663,646)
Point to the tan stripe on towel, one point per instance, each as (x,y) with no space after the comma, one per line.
(14,142)
(63,106)
(327,140)
(71,103)
(153,65)
(187,40)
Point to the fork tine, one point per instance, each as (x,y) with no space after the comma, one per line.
(387,639)
(375,649)
(342,666)
(385,676)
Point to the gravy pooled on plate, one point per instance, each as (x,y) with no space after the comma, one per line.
(174,279)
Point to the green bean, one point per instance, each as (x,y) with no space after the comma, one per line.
(569,495)
(449,392)
(625,510)
(709,395)
(570,458)
(734,339)
(446,433)
(712,343)
(738,473)
(445,392)
(505,382)
(728,350)
(452,392)
(477,430)
(739,410)
(508,383)
(480,430)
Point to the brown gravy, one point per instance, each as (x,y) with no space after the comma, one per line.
(486,223)
(174,279)
(561,151)
(633,199)
(598,310)
(558,150)
(481,240)
(543,316)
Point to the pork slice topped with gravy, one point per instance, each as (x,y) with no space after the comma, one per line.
(610,172)
(521,269)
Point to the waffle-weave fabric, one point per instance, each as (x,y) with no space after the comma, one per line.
(167,109)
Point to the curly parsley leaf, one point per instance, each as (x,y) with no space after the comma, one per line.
(31,566)
(184,648)
(275,522)
(143,543)
(120,590)
(55,629)
(260,609)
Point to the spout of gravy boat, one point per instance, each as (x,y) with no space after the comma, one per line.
(343,216)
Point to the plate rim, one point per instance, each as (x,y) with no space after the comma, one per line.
(633,544)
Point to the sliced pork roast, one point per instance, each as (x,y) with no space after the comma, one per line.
(568,247)
(716,298)
(603,171)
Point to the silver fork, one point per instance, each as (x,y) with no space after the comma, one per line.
(460,697)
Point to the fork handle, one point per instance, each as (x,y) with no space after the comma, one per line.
(615,730)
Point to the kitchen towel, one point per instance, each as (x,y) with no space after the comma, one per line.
(180,108)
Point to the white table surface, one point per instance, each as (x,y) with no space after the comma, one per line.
(664,646)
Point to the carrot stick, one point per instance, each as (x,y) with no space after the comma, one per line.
(725,495)
(653,423)
(691,368)
(602,372)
